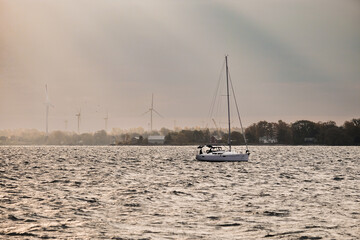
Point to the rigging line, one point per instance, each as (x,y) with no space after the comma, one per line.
(237,109)
(211,111)
(215,94)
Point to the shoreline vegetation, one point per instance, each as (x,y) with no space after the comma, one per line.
(303,132)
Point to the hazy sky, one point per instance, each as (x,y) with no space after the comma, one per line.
(289,60)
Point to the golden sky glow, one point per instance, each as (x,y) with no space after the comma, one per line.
(289,60)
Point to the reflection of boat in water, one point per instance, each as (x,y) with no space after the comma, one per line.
(212,153)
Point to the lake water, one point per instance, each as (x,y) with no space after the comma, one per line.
(128,192)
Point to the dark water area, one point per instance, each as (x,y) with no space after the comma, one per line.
(128,192)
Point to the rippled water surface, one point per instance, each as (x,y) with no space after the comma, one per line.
(163,193)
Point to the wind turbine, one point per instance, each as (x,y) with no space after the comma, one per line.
(78,115)
(151,110)
(48,104)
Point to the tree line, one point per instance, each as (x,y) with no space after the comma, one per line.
(305,132)
(298,133)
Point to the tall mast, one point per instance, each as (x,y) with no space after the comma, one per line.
(228,100)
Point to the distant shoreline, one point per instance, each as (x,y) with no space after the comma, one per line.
(302,133)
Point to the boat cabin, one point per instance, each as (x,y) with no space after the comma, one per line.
(211,149)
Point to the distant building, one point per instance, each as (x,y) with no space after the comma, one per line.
(267,140)
(156,140)
(135,140)
(213,140)
(310,140)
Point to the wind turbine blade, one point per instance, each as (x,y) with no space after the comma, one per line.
(145,112)
(158,113)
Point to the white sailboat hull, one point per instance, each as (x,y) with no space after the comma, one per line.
(223,157)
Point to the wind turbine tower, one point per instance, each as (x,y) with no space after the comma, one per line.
(151,110)
(48,104)
(78,115)
(106,118)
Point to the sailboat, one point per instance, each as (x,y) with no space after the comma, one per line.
(212,153)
